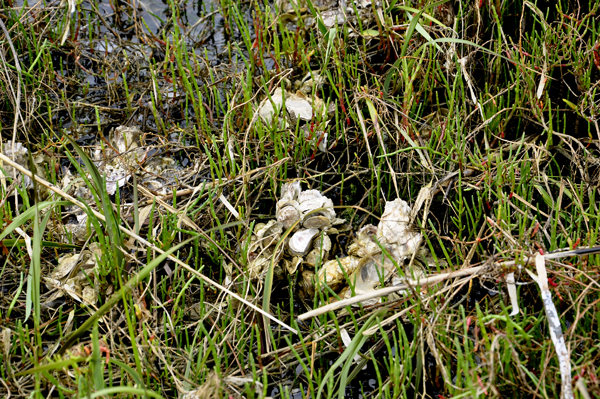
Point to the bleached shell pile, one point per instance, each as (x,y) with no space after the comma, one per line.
(73,275)
(311,217)
(364,263)
(126,155)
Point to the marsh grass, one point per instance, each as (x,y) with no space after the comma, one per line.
(494,105)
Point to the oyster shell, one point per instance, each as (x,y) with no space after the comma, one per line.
(365,244)
(322,242)
(368,276)
(316,222)
(315,257)
(288,209)
(288,213)
(395,228)
(290,191)
(124,138)
(269,234)
(297,106)
(75,275)
(299,243)
(363,265)
(292,266)
(312,199)
(307,283)
(331,273)
(258,263)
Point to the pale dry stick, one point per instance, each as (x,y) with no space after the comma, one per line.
(388,290)
(508,237)
(441,277)
(390,319)
(130,233)
(554,327)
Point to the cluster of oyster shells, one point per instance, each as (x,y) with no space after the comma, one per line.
(76,276)
(301,106)
(366,263)
(311,218)
(127,154)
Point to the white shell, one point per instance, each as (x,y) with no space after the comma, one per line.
(395,228)
(289,214)
(299,244)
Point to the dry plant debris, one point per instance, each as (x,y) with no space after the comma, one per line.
(156,240)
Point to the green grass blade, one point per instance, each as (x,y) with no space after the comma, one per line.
(28,214)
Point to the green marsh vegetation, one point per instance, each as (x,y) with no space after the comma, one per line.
(491,104)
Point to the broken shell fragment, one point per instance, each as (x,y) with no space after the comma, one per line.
(299,244)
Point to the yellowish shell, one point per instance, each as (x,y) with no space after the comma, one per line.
(332,275)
